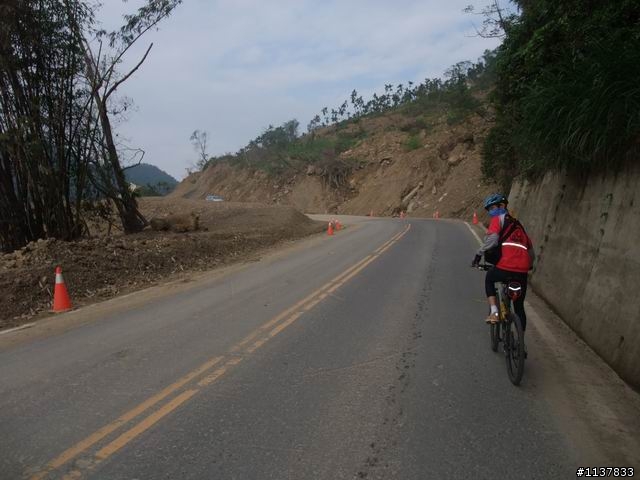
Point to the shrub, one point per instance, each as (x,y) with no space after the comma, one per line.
(413,143)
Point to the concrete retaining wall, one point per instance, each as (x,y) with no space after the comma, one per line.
(586,233)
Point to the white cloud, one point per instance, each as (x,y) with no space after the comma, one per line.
(232,67)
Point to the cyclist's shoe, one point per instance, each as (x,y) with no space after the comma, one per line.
(492,318)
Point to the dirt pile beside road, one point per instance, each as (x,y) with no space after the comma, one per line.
(105,266)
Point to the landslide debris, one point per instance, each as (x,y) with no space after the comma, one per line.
(104,266)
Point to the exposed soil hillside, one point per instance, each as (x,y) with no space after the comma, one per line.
(441,173)
(105,266)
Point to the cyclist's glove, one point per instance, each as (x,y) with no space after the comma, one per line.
(476,261)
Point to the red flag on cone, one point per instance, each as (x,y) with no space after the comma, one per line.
(61,300)
(475,218)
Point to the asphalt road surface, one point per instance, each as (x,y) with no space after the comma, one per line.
(362,355)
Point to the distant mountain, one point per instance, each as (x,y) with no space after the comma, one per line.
(149,176)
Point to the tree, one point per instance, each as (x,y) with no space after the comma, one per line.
(566,95)
(55,103)
(100,72)
(457,73)
(343,109)
(314,123)
(46,122)
(199,141)
(324,111)
(497,20)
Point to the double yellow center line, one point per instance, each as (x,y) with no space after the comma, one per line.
(207,373)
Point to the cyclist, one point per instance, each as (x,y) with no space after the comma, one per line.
(516,257)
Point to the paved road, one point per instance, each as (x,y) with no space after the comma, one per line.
(363,355)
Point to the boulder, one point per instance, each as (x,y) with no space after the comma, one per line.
(176,223)
(455,159)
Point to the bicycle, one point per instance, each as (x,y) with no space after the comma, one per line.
(508,329)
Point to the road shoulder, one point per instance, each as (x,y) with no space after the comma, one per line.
(590,400)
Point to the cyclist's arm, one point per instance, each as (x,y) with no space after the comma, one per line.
(490,241)
(492,237)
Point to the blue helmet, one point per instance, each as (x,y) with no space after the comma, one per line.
(494,199)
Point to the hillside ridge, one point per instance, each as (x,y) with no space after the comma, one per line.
(147,174)
(400,163)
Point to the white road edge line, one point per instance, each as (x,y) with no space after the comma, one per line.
(21,327)
(474,233)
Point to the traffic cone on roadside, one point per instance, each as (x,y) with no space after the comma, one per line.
(475,218)
(61,300)
(338,225)
(330,229)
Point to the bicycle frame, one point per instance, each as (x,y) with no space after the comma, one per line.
(504,310)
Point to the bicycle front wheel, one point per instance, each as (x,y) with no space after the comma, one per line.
(514,348)
(494,332)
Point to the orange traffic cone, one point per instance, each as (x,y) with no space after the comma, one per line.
(330,229)
(475,218)
(338,225)
(61,300)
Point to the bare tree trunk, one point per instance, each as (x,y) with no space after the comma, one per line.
(132,220)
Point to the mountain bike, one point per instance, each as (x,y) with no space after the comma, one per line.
(508,330)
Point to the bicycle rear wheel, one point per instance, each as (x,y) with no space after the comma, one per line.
(514,348)
(494,332)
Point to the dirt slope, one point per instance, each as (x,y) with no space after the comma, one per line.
(442,174)
(105,266)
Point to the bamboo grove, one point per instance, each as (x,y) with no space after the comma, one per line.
(58,74)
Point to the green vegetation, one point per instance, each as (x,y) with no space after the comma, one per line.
(144,173)
(279,149)
(416,126)
(159,189)
(336,130)
(567,92)
(453,96)
(413,143)
(151,180)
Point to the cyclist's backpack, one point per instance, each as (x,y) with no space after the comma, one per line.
(514,235)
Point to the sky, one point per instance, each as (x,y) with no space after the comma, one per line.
(231,68)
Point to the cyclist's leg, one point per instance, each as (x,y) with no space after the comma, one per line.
(493,276)
(499,275)
(518,305)
(490,289)
(490,282)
